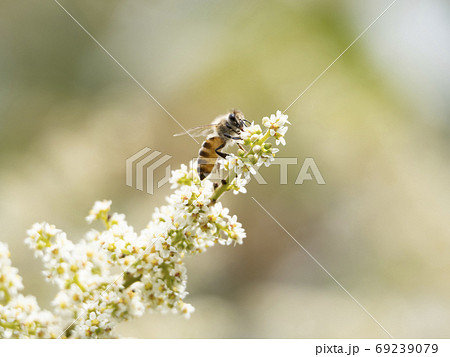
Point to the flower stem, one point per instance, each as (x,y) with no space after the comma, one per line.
(7,296)
(78,283)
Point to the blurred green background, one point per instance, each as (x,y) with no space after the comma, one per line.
(377,125)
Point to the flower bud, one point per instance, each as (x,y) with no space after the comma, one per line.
(256,149)
(253,159)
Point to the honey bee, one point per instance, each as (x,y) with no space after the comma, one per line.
(224,130)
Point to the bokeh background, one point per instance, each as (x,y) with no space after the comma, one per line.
(377,125)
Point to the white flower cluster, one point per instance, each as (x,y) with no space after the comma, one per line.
(260,152)
(21,316)
(277,126)
(197,221)
(116,274)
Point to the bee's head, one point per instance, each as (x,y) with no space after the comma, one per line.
(237,120)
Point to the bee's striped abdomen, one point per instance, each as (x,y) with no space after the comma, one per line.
(207,156)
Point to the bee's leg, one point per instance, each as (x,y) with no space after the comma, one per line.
(236,138)
(241,147)
(233,137)
(220,153)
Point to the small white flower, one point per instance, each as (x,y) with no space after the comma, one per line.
(99,210)
(239,184)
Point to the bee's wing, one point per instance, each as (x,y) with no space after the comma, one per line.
(203,130)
